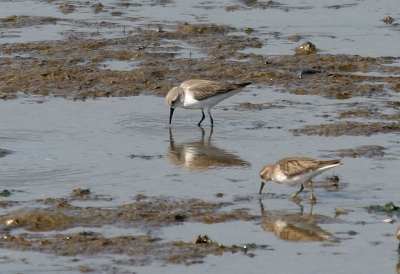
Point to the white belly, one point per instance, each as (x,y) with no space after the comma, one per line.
(210,102)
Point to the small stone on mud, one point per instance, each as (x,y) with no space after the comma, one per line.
(180,217)
(306,48)
(81,191)
(388,20)
(203,240)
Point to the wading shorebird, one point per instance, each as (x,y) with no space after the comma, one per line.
(201,94)
(296,170)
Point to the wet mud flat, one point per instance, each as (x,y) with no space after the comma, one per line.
(156,57)
(60,227)
(46,221)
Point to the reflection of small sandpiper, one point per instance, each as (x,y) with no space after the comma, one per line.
(201,94)
(296,170)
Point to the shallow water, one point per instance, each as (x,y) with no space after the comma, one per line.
(121,147)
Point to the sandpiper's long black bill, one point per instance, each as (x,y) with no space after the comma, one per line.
(262,186)
(171,112)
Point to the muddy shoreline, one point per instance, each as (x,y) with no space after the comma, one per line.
(74,69)
(44,224)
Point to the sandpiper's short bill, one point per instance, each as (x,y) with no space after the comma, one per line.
(296,170)
(201,94)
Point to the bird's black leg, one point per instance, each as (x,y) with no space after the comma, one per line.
(202,118)
(212,120)
(301,189)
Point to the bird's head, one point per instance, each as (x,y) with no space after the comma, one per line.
(174,97)
(265,175)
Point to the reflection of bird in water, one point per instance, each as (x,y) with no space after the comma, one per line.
(297,230)
(201,155)
(296,227)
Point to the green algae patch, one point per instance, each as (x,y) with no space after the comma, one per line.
(389,209)
(5,193)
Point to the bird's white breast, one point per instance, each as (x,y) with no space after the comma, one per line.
(190,102)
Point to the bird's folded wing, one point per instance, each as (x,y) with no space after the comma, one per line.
(293,167)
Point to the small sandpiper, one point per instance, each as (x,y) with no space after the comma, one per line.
(201,94)
(296,170)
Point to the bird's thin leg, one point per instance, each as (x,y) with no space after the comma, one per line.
(312,197)
(202,118)
(301,189)
(211,119)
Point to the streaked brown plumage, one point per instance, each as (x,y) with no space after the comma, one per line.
(201,94)
(296,170)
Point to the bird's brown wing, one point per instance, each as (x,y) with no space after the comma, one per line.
(296,166)
(204,89)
